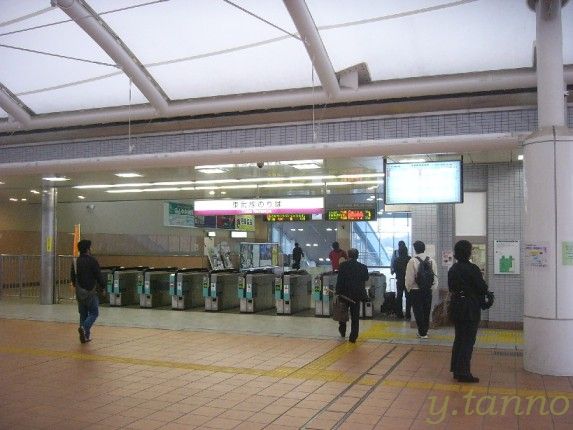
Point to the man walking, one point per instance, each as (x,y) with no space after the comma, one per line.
(350,283)
(420,280)
(297,254)
(85,274)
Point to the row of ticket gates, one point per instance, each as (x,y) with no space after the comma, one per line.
(251,292)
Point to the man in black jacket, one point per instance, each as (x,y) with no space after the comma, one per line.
(85,274)
(350,283)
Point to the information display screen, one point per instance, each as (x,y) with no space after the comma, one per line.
(287,217)
(428,182)
(351,215)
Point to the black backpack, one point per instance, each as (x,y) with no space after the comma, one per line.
(425,275)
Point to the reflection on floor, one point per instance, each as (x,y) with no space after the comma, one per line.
(185,370)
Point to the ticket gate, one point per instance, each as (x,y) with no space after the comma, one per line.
(155,289)
(375,287)
(293,292)
(107,274)
(124,290)
(323,292)
(221,292)
(186,288)
(256,291)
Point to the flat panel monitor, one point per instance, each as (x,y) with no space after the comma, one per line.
(426,182)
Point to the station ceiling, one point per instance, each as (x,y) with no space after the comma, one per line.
(71,63)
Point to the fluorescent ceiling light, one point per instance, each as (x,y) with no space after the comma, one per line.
(321,259)
(81,197)
(300,229)
(412,160)
(215,166)
(129,175)
(238,234)
(328,229)
(23,200)
(132,190)
(520,157)
(212,234)
(56,178)
(308,244)
(295,162)
(34,191)
(211,192)
(211,171)
(13,199)
(1,183)
(306,166)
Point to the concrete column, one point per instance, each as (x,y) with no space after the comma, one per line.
(48,254)
(343,234)
(548,163)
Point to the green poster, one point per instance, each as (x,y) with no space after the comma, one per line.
(567,252)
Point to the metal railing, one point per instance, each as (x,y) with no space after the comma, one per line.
(20,277)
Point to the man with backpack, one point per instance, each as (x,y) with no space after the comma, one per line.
(420,280)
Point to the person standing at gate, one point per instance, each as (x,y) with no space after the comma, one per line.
(86,276)
(352,276)
(297,254)
(399,268)
(421,279)
(335,255)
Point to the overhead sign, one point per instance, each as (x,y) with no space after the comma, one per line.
(287,217)
(178,215)
(309,205)
(245,222)
(351,215)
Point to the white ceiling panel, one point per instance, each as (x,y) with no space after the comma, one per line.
(280,65)
(109,92)
(181,28)
(476,36)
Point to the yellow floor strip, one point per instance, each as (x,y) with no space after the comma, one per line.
(390,331)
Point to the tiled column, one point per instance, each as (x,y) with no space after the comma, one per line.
(48,254)
(548,166)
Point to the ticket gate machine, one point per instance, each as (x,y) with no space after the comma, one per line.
(375,287)
(155,289)
(256,291)
(125,285)
(323,292)
(293,292)
(221,292)
(107,273)
(186,288)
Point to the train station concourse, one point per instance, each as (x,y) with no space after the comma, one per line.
(210,213)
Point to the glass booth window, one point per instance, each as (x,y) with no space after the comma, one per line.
(376,240)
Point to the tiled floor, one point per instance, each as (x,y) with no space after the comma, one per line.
(150,369)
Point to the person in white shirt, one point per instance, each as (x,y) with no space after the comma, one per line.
(420,281)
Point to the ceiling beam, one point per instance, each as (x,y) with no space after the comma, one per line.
(466,83)
(14,106)
(306,27)
(88,19)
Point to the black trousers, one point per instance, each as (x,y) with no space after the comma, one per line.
(354,309)
(296,264)
(401,290)
(463,347)
(422,303)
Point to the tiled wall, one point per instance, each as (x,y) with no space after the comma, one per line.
(434,224)
(495,121)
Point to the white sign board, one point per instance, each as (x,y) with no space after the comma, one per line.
(310,205)
(506,257)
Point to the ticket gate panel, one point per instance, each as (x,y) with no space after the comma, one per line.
(186,290)
(125,287)
(323,306)
(259,292)
(107,273)
(376,287)
(222,291)
(155,289)
(297,294)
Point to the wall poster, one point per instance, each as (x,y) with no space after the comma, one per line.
(178,215)
(567,253)
(479,257)
(536,255)
(506,257)
(254,255)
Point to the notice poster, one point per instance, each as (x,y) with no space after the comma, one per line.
(506,257)
(245,222)
(536,255)
(567,253)
(178,215)
(205,221)
(447,258)
(479,256)
(226,222)
(255,255)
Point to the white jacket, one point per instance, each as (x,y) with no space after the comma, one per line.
(412,269)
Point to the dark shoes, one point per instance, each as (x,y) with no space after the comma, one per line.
(352,339)
(468,379)
(342,332)
(82,333)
